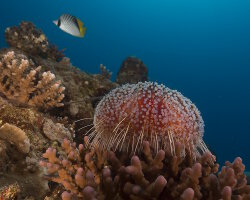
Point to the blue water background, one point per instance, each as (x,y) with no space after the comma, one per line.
(200,48)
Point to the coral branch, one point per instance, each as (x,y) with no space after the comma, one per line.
(22,83)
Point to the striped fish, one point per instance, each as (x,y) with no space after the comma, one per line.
(71,25)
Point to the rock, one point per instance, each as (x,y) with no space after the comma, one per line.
(55,131)
(132,70)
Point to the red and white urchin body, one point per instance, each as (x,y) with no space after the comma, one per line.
(133,113)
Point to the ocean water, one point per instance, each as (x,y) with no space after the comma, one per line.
(200,48)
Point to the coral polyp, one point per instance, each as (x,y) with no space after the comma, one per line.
(128,115)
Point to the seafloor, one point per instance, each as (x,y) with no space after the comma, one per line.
(39,109)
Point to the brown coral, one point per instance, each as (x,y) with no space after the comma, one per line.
(94,174)
(31,40)
(25,85)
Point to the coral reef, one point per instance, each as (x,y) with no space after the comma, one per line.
(95,174)
(23,84)
(42,127)
(86,171)
(32,41)
(147,111)
(132,70)
(82,90)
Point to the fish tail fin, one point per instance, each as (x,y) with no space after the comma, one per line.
(83,31)
(82,28)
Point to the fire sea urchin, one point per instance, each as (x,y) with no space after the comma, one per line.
(133,113)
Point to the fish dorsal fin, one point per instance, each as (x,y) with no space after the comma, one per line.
(82,29)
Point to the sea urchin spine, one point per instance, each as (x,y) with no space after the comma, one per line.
(133,113)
